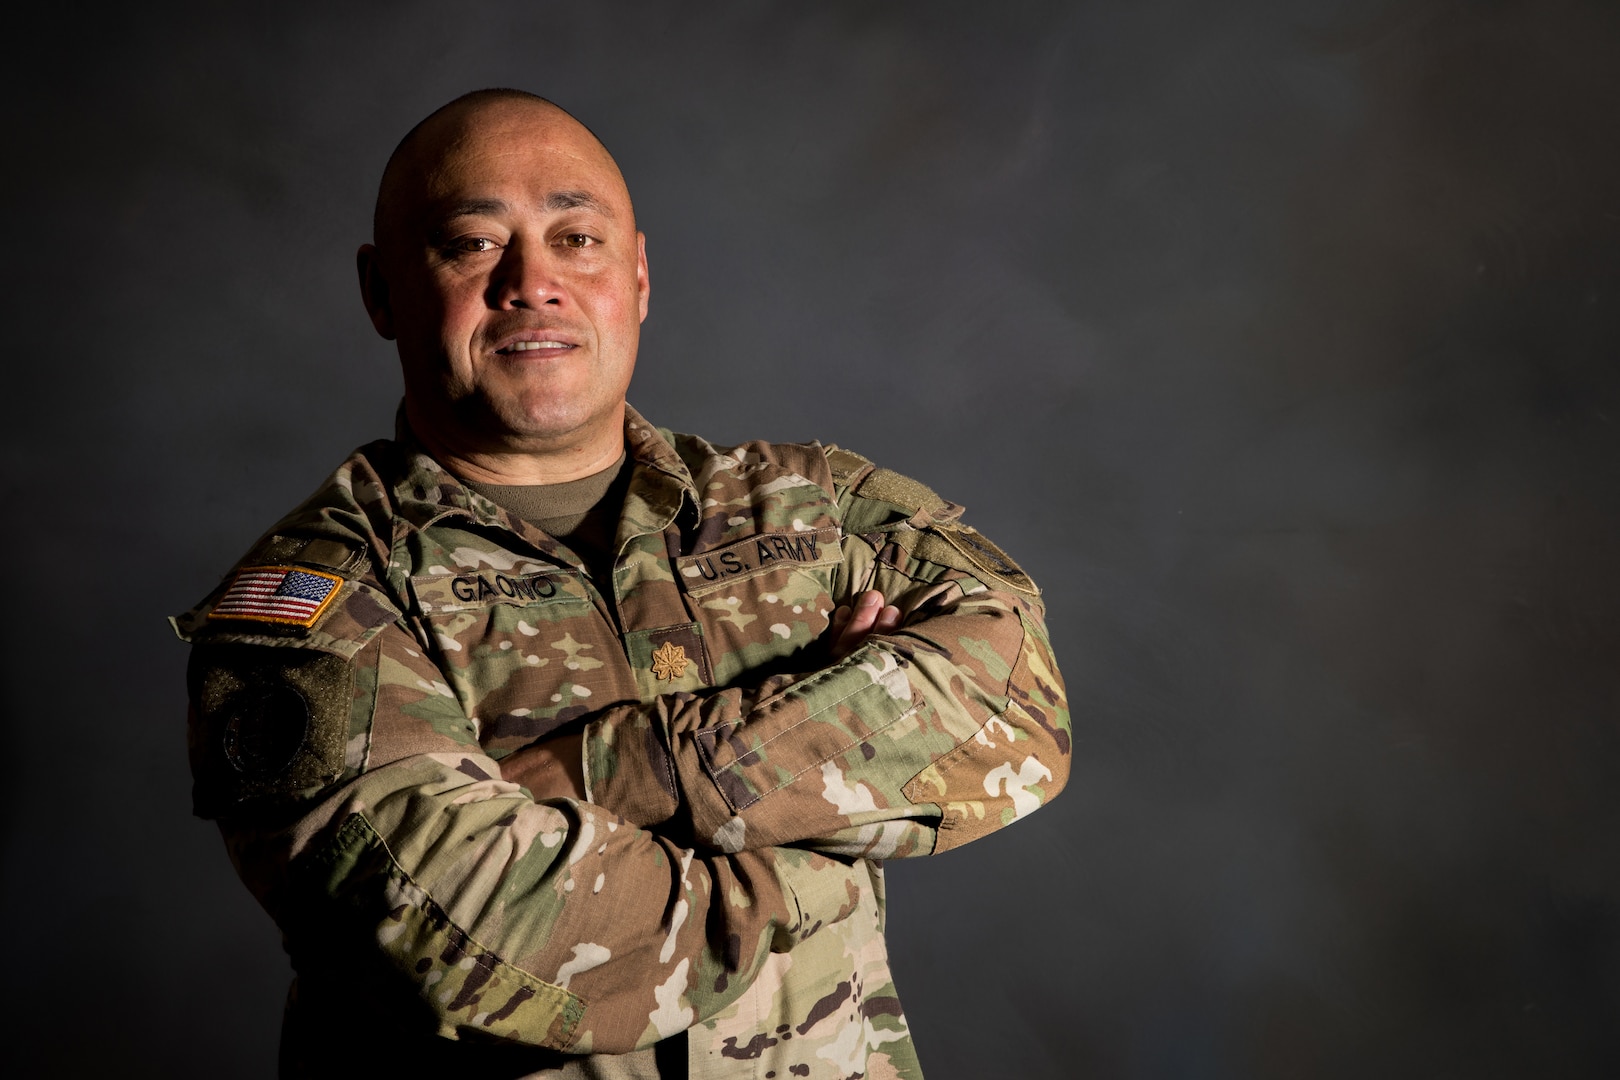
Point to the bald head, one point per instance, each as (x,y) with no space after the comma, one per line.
(446,130)
(508,270)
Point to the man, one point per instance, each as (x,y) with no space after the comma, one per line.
(561,745)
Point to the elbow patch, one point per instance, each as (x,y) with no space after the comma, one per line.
(265,722)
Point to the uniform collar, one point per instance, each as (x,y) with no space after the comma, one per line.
(427,491)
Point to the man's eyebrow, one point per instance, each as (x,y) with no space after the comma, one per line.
(577,200)
(472,208)
(556,200)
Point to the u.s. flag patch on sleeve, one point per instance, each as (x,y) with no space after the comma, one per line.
(278,594)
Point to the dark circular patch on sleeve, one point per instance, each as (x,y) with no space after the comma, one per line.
(267,726)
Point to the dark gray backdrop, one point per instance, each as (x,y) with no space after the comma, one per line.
(1277,339)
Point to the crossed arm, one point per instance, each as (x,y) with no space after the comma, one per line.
(553,767)
(940,718)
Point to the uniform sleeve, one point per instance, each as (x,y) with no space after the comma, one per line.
(951,727)
(555,924)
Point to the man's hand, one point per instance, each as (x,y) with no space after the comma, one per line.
(551,768)
(852,623)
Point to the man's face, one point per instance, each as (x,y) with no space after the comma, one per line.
(515,283)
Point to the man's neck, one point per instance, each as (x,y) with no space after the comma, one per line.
(536,462)
(523,468)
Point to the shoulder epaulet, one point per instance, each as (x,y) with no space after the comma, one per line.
(879,498)
(347,555)
(900,490)
(848,467)
(857,474)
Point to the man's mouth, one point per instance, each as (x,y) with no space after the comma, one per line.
(531,346)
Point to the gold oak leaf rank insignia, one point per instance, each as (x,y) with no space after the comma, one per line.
(669,661)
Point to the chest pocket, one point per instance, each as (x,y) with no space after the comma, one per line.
(762,598)
(524,653)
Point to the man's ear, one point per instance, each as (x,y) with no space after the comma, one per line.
(374,290)
(643,286)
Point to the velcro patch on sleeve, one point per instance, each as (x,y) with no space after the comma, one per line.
(284,595)
(965,548)
(901,490)
(265,721)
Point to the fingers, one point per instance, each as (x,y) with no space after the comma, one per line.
(886,620)
(852,623)
(868,606)
(551,768)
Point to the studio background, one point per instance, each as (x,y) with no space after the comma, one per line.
(1277,340)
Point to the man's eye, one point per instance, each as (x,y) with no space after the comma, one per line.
(577,240)
(472,244)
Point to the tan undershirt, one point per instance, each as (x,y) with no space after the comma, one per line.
(583,513)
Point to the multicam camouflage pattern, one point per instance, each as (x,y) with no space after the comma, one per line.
(722,878)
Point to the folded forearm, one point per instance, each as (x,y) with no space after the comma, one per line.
(555,924)
(956,721)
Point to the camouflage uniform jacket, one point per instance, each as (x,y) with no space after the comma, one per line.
(358,678)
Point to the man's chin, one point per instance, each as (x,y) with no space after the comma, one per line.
(546,425)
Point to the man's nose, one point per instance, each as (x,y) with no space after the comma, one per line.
(525,278)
